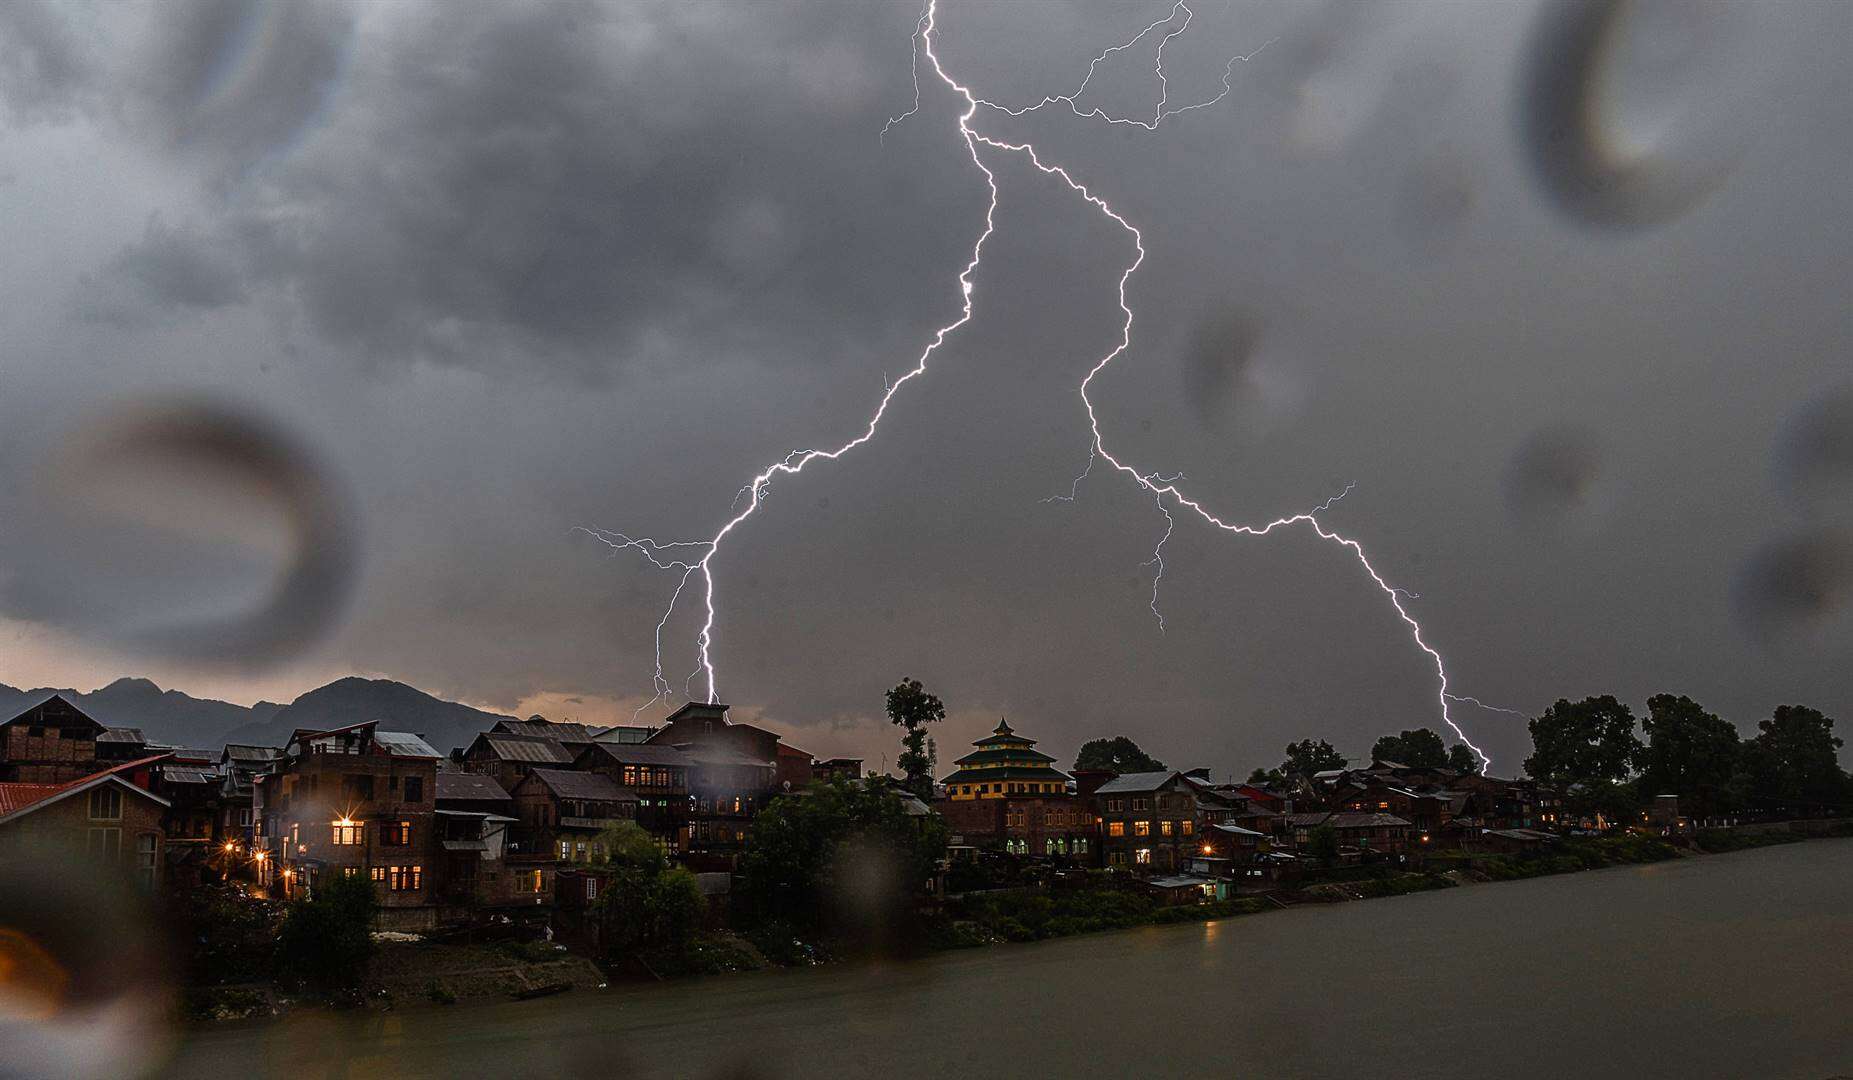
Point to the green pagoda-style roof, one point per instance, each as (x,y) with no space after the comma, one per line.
(1008,772)
(1003,756)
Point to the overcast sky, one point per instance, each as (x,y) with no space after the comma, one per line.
(501,271)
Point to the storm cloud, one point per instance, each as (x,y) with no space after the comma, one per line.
(512,269)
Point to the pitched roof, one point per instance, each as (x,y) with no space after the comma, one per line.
(405,744)
(27,802)
(1237,830)
(60,699)
(1365,821)
(472,787)
(528,748)
(189,774)
(640,753)
(1137,781)
(567,784)
(1008,772)
(247,752)
(16,796)
(983,757)
(548,729)
(122,735)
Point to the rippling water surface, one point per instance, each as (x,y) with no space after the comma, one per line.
(1729,966)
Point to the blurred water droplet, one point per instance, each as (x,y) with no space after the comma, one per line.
(84,982)
(1797,590)
(1554,478)
(1813,458)
(160,523)
(1633,109)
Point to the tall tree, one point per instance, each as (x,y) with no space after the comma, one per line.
(1462,759)
(1589,749)
(1690,753)
(1418,749)
(1118,754)
(1307,757)
(911,709)
(1799,755)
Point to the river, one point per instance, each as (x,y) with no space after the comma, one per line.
(1735,965)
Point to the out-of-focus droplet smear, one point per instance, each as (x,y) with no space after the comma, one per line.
(189,529)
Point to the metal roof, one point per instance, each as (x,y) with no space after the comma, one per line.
(122,735)
(642,754)
(183,774)
(1365,821)
(404,744)
(473,787)
(583,785)
(1138,781)
(526,748)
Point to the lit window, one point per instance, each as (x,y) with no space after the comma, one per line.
(346,832)
(534,882)
(1164,827)
(404,878)
(1116,828)
(591,888)
(106,803)
(566,850)
(395,833)
(579,851)
(378,874)
(1189,827)
(1143,856)
(1141,828)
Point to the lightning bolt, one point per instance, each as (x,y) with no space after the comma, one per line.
(1164,490)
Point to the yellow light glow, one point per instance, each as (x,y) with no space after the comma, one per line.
(260,856)
(1208,850)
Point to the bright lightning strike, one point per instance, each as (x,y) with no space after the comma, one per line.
(1164,490)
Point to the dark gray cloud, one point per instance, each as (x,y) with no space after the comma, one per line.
(514,269)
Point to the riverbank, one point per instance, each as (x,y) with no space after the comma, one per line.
(1692,967)
(415,974)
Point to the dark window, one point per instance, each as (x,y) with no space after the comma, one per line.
(414,789)
(395,833)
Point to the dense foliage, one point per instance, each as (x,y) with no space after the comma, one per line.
(1304,758)
(1418,749)
(837,854)
(326,941)
(1690,753)
(1118,754)
(645,905)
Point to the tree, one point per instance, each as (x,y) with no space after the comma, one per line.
(911,708)
(1118,754)
(836,841)
(1588,748)
(1690,753)
(1322,844)
(1418,749)
(1463,760)
(1307,757)
(326,940)
(627,844)
(1797,758)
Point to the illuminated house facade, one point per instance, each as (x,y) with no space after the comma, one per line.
(1008,796)
(353,801)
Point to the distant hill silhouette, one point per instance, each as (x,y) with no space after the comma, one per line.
(169,716)
(353,700)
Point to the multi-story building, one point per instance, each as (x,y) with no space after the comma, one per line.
(55,741)
(353,801)
(733,771)
(1148,820)
(508,757)
(658,775)
(562,812)
(1008,796)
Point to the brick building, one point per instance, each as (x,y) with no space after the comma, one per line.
(1008,796)
(1148,820)
(354,801)
(108,818)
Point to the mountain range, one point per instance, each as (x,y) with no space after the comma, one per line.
(178,719)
